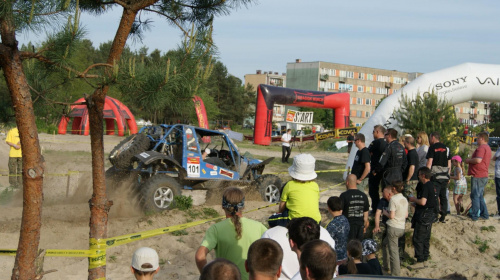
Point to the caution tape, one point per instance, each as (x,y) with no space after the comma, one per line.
(47,174)
(97,255)
(318,171)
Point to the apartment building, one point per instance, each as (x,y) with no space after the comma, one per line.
(273,79)
(367,87)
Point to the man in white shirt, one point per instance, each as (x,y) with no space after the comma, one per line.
(286,150)
(290,265)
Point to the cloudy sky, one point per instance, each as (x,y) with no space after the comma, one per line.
(411,36)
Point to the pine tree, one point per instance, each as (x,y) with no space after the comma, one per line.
(427,112)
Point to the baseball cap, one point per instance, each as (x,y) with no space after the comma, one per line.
(145,259)
(457,158)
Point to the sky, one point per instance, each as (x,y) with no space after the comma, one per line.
(409,36)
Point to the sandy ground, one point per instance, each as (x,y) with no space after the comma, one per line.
(65,224)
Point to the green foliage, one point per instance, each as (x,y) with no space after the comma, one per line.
(497,256)
(113,258)
(483,244)
(210,213)
(179,232)
(427,112)
(182,202)
(6,195)
(489,228)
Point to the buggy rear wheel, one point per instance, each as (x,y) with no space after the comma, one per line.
(269,187)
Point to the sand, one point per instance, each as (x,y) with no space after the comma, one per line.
(65,224)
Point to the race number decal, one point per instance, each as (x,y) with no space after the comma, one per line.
(193,167)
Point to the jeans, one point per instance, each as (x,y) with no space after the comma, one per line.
(477,197)
(421,241)
(391,242)
(497,185)
(285,153)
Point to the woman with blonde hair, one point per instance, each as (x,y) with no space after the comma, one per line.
(231,237)
(422,148)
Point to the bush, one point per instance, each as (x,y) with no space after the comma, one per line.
(182,202)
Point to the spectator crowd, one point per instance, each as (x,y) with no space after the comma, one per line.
(407,181)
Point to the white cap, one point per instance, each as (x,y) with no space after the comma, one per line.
(303,167)
(145,259)
(207,150)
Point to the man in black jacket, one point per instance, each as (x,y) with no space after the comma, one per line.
(376,148)
(393,161)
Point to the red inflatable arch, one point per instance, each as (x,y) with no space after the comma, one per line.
(114,110)
(268,95)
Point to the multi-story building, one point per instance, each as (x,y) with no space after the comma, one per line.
(367,87)
(273,79)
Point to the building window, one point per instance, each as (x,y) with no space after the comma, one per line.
(381,91)
(350,74)
(360,88)
(359,114)
(359,101)
(361,76)
(333,72)
(367,114)
(342,74)
(368,101)
(345,87)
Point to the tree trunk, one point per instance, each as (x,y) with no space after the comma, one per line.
(33,165)
(99,204)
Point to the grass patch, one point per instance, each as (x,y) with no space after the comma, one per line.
(210,213)
(6,195)
(497,256)
(482,244)
(489,229)
(182,202)
(112,258)
(179,232)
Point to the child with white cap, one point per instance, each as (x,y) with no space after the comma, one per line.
(145,263)
(301,195)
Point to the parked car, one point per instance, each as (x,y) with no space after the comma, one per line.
(494,142)
(160,161)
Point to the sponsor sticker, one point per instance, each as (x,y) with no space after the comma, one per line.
(226,173)
(203,170)
(213,173)
(144,155)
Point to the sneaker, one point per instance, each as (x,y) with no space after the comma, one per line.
(496,216)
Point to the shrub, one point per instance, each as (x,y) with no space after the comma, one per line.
(183,202)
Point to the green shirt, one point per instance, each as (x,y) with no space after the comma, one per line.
(302,199)
(222,238)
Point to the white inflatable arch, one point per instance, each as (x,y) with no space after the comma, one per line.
(461,83)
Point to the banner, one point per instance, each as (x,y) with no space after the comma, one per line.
(299,117)
(201,113)
(346,131)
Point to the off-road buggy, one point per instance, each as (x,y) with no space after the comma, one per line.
(160,161)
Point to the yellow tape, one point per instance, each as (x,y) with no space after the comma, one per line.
(97,252)
(99,258)
(318,171)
